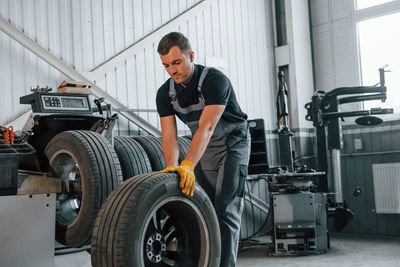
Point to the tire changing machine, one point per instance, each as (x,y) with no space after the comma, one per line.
(300,200)
(298,197)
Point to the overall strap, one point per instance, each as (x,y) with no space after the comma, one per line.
(202,77)
(172,91)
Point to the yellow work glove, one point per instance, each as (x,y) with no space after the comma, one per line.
(188,180)
(170,168)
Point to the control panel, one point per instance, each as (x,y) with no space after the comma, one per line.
(43,102)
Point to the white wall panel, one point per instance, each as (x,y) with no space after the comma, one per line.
(341,9)
(86,34)
(333,44)
(97,33)
(345,54)
(319,11)
(323,58)
(300,67)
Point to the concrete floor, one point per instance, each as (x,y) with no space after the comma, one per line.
(345,251)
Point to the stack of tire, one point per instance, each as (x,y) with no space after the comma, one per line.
(131,214)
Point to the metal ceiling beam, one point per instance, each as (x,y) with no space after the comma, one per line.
(74,75)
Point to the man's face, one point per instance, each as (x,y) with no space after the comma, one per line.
(178,64)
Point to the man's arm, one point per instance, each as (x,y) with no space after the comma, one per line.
(208,120)
(169,140)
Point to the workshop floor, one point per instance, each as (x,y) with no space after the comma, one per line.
(346,251)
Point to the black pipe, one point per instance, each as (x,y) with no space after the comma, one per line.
(376,111)
(360,98)
(329,96)
(335,115)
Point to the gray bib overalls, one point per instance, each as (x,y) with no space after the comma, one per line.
(221,171)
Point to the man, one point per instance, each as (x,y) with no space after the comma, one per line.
(203,98)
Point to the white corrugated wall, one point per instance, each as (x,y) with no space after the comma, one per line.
(87,34)
(334,48)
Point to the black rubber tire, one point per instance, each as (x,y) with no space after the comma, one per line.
(129,219)
(88,161)
(132,157)
(184,145)
(153,148)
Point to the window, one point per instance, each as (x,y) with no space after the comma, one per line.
(361,4)
(379,45)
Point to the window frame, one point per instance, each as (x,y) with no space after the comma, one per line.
(356,5)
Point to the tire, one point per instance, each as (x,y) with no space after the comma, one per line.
(147,221)
(132,157)
(184,145)
(152,146)
(88,166)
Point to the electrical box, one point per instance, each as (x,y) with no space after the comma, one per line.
(358,145)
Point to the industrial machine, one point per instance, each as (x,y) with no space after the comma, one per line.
(324,112)
(297,202)
(311,197)
(298,198)
(302,199)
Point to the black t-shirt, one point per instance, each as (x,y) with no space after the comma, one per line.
(216,90)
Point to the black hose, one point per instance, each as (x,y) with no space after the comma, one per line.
(262,226)
(252,206)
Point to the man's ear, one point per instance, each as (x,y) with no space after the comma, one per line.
(191,56)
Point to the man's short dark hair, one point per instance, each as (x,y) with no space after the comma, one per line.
(173,39)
